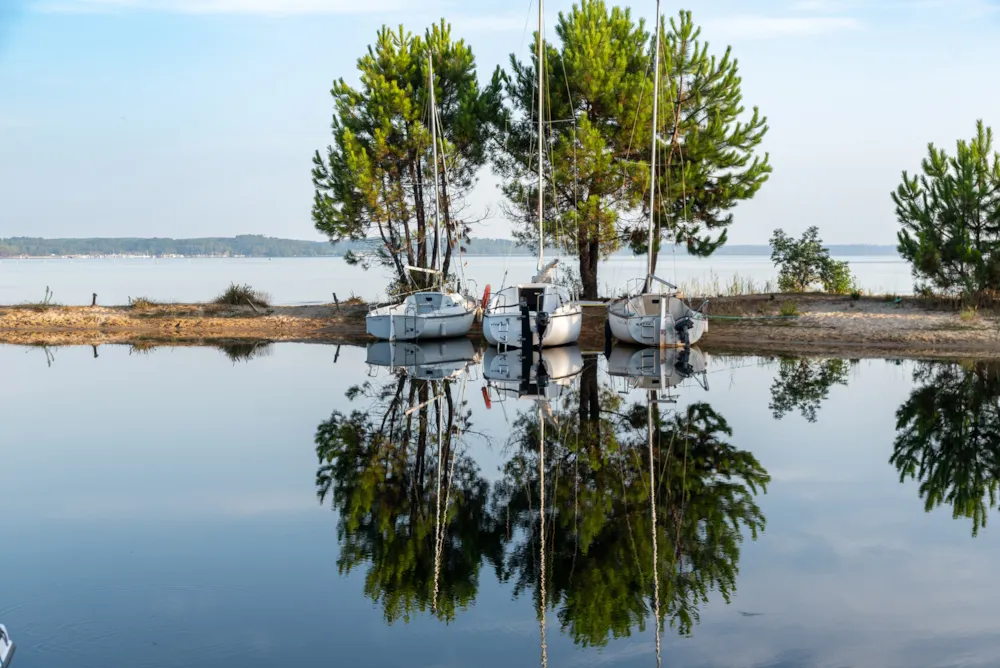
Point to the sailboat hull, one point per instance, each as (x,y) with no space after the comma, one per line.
(505,329)
(424,315)
(502,320)
(651,320)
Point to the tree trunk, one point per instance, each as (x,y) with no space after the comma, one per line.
(589,251)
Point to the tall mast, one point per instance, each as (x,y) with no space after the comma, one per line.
(652,159)
(541,150)
(437,199)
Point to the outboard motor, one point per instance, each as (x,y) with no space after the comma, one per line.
(541,324)
(683,327)
(683,364)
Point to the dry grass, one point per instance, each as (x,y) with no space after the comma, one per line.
(241,295)
(789,308)
(735,286)
(142,303)
(968,314)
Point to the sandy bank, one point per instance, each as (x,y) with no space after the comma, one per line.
(824,324)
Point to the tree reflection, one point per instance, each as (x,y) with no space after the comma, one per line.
(948,437)
(417,518)
(599,543)
(804,384)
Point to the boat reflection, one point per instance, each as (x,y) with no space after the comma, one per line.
(440,359)
(531,374)
(656,368)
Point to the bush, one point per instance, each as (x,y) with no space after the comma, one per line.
(948,217)
(241,295)
(968,314)
(805,262)
(141,303)
(855,294)
(789,309)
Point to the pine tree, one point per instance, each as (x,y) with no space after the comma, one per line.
(599,101)
(951,217)
(707,164)
(376,178)
(596,84)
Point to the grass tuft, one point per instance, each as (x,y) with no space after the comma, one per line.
(789,308)
(141,303)
(968,314)
(241,295)
(43,305)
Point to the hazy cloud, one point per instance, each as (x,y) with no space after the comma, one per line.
(768,27)
(270,7)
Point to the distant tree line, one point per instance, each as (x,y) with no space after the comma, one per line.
(246,245)
(254,245)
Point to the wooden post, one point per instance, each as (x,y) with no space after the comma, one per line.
(336,301)
(94,302)
(95,350)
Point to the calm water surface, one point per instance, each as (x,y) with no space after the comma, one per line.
(312,280)
(295,505)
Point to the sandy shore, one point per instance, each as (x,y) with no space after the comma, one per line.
(824,325)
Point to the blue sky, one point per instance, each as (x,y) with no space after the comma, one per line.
(199,117)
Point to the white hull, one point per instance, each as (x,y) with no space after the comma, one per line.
(426,360)
(505,329)
(502,317)
(655,368)
(504,371)
(651,319)
(424,315)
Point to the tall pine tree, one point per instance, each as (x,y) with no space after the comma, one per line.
(596,88)
(707,162)
(376,178)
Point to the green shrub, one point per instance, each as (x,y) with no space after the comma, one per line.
(241,295)
(788,309)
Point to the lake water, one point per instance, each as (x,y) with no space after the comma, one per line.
(293,505)
(313,280)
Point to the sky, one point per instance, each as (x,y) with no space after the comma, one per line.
(200,117)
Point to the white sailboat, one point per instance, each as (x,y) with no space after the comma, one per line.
(541,310)
(655,315)
(7,647)
(427,314)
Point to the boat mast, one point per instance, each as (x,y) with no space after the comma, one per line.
(437,199)
(541,152)
(652,159)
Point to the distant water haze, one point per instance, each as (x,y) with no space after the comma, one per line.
(314,280)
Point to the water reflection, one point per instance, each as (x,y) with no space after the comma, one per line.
(412,504)
(804,384)
(612,508)
(948,437)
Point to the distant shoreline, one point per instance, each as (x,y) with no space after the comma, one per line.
(258,246)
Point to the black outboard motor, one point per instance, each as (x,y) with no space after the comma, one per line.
(683,364)
(683,327)
(541,324)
